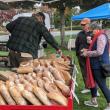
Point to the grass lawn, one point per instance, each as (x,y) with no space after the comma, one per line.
(82,97)
(4,53)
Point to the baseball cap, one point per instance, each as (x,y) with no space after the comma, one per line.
(85,21)
(40,14)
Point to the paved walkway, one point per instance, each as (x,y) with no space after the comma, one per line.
(57,33)
(4,38)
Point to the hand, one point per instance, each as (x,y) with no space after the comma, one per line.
(59,52)
(84,52)
(84,49)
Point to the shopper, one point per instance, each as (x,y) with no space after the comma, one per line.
(98,53)
(26,34)
(80,43)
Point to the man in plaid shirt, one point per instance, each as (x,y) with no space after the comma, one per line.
(26,34)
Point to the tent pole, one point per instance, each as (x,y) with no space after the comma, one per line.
(71,28)
(108,80)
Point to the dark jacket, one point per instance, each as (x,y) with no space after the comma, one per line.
(26,34)
(81,41)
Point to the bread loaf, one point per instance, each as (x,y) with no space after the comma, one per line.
(41,94)
(27,69)
(30,97)
(57,98)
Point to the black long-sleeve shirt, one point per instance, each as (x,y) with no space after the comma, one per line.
(81,41)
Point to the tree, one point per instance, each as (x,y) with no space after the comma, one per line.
(88,4)
(22,4)
(62,4)
(4,6)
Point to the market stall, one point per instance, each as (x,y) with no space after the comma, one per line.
(40,84)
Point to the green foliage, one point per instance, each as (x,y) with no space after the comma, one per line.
(23,4)
(4,53)
(74,27)
(68,17)
(85,4)
(4,6)
(57,19)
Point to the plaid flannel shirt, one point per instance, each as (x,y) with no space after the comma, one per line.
(26,34)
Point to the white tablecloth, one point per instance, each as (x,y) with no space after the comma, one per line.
(71,44)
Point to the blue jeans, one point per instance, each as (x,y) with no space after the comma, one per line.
(101,81)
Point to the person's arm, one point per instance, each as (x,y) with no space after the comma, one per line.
(48,37)
(77,45)
(107,32)
(101,43)
(109,46)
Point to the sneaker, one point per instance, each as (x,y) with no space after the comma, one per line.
(91,103)
(85,91)
(107,108)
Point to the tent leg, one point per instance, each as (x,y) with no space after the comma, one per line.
(109,83)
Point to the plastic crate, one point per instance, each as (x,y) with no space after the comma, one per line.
(32,107)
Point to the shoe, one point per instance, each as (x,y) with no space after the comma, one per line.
(107,108)
(85,91)
(91,103)
(98,94)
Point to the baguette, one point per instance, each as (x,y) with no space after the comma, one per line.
(66,75)
(63,87)
(30,97)
(57,98)
(5,94)
(27,69)
(40,83)
(17,96)
(56,74)
(51,87)
(2,101)
(49,75)
(36,63)
(41,94)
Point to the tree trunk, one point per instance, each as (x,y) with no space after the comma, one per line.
(62,28)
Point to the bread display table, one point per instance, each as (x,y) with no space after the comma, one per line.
(48,80)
